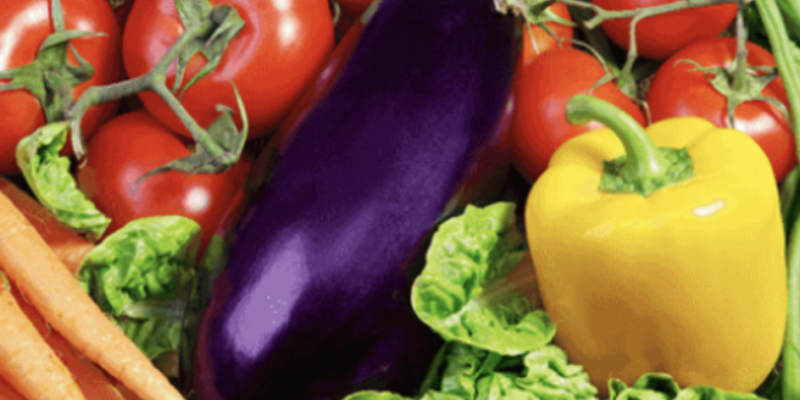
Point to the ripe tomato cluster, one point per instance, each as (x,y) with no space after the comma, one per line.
(283,61)
(280,50)
(546,79)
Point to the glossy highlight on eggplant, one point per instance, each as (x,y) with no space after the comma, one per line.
(314,302)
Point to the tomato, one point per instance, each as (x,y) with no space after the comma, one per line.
(544,41)
(121,12)
(660,36)
(354,8)
(24,25)
(675,91)
(541,92)
(281,48)
(134,143)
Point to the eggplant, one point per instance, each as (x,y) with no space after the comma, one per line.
(314,302)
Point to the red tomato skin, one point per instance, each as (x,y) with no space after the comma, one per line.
(134,143)
(542,91)
(275,56)
(674,91)
(354,7)
(24,25)
(660,36)
(544,41)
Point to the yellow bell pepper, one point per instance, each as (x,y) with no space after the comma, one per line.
(683,273)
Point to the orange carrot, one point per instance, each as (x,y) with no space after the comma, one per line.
(26,361)
(69,246)
(50,287)
(92,382)
(7,392)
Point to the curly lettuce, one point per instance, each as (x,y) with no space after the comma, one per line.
(47,174)
(470,373)
(461,293)
(659,386)
(141,276)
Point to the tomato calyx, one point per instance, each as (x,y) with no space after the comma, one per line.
(740,82)
(627,78)
(534,13)
(50,77)
(228,25)
(738,91)
(208,31)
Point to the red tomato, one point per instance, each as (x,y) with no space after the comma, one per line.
(280,50)
(122,12)
(24,25)
(544,41)
(660,36)
(674,91)
(134,143)
(541,93)
(354,7)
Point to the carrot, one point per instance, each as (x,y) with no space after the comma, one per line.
(92,382)
(69,246)
(26,361)
(47,283)
(7,392)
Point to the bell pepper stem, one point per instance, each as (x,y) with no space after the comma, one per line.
(644,161)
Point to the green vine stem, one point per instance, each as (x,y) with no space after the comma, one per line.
(626,80)
(601,15)
(740,73)
(208,32)
(596,39)
(779,40)
(153,80)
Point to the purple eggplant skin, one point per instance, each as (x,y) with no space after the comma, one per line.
(315,300)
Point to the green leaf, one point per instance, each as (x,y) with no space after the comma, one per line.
(373,395)
(461,294)
(141,275)
(550,376)
(659,386)
(475,374)
(47,174)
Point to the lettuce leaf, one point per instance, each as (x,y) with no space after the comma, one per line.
(141,275)
(47,174)
(460,293)
(373,395)
(658,386)
(471,373)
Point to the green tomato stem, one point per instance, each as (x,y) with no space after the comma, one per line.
(602,15)
(740,72)
(153,80)
(779,40)
(644,160)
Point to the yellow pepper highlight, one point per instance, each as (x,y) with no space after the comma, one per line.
(689,280)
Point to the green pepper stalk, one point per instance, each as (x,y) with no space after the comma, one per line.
(645,168)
